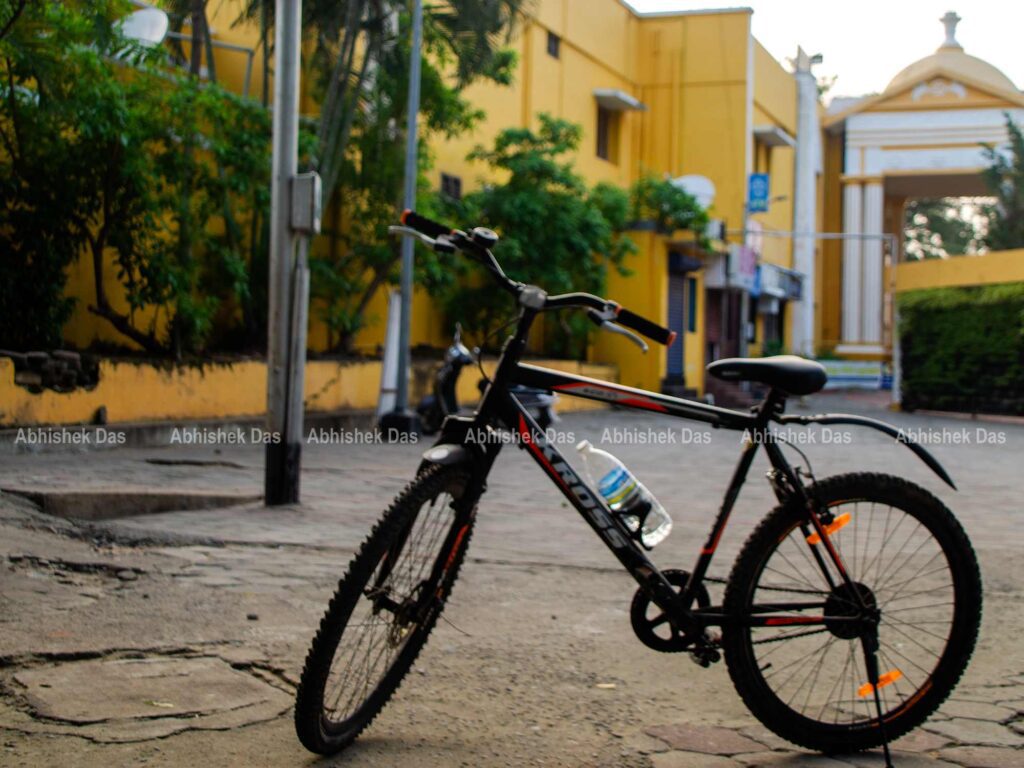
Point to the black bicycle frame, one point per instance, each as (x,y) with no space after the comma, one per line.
(481,442)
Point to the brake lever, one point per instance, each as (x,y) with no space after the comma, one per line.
(605,320)
(614,328)
(441,244)
(401,229)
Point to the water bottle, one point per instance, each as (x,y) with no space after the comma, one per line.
(635,506)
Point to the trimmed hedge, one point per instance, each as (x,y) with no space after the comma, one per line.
(963,349)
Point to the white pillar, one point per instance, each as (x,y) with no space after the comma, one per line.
(805,199)
(852,272)
(871,254)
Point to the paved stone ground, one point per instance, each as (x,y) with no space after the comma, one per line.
(177,638)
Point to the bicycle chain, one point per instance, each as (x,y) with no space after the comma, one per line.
(779,639)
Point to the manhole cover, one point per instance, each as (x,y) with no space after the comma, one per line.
(134,699)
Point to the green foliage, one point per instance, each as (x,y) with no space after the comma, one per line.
(1005,179)
(108,154)
(935,228)
(42,178)
(963,348)
(668,206)
(555,232)
(463,39)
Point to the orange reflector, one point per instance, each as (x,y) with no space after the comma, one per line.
(883,680)
(831,528)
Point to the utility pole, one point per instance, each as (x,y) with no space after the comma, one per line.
(294,217)
(805,194)
(402,420)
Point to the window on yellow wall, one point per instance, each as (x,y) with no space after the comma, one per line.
(607,134)
(451,186)
(691,304)
(554,45)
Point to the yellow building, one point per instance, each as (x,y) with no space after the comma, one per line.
(681,94)
(684,94)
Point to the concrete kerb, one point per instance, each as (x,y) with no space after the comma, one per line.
(156,434)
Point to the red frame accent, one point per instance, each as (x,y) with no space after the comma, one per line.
(782,621)
(455,547)
(634,402)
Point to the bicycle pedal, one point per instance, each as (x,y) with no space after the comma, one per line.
(705,657)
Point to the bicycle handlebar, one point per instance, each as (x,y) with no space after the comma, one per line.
(645,327)
(423,224)
(477,245)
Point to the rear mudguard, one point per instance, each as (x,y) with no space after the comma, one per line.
(862,421)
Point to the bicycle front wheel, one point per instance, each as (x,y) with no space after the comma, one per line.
(907,557)
(384,609)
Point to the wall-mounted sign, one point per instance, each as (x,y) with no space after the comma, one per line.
(757,193)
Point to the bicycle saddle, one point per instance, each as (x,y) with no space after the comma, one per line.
(792,374)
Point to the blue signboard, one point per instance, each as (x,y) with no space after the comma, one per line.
(757,193)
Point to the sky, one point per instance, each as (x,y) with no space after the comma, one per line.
(865,43)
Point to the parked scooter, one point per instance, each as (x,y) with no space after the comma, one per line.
(444,402)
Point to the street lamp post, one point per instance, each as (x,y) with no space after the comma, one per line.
(402,420)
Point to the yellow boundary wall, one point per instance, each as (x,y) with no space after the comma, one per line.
(134,392)
(987,269)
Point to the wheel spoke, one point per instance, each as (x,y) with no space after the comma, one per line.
(387,610)
(896,568)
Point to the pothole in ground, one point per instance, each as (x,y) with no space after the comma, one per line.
(136,699)
(113,503)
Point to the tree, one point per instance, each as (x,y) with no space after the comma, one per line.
(936,228)
(347,38)
(109,155)
(555,231)
(668,206)
(1005,179)
(359,66)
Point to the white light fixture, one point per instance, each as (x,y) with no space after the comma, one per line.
(701,188)
(147,26)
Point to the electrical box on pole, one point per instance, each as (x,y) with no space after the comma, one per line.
(306,203)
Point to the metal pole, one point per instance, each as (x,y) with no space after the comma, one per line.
(402,420)
(281,481)
(804,208)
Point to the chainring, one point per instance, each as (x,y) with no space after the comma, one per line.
(655,630)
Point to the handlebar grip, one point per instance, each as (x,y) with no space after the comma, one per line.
(644,326)
(423,224)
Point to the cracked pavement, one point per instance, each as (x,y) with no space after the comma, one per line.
(177,638)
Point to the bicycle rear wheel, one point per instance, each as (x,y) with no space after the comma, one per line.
(908,557)
(384,609)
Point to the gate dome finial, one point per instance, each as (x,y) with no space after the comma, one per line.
(950,20)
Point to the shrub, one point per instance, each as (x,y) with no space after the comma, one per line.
(963,348)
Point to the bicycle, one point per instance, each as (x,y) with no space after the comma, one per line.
(850,613)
